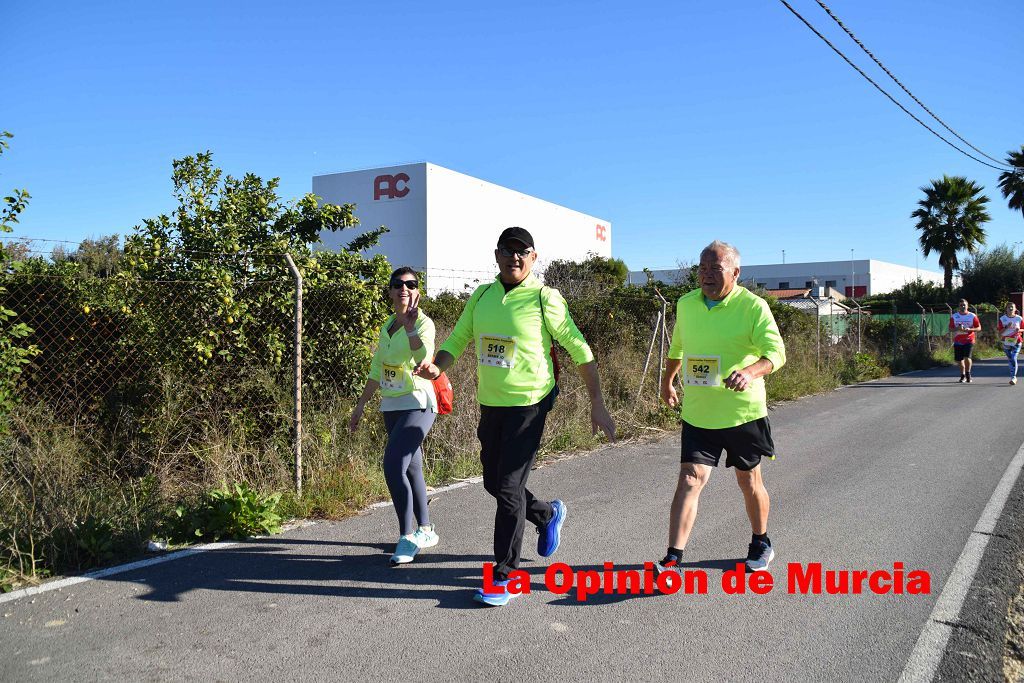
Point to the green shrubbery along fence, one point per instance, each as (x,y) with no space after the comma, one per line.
(148,395)
(151,391)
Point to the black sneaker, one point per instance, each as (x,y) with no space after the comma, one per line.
(963,378)
(968,378)
(759,555)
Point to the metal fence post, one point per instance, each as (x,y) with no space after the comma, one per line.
(923,331)
(950,334)
(894,342)
(817,333)
(849,331)
(860,313)
(661,349)
(831,332)
(647,363)
(298,373)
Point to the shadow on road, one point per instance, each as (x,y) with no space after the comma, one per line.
(723,565)
(278,567)
(992,373)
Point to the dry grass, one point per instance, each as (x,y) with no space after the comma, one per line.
(82,491)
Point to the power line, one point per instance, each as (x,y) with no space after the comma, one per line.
(897,81)
(37,239)
(882,90)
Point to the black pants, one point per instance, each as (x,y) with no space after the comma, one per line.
(509,439)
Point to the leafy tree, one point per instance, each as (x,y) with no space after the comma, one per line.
(1011,183)
(445,308)
(16,202)
(12,355)
(95,258)
(880,333)
(950,218)
(596,272)
(231,293)
(14,251)
(686,279)
(991,276)
(909,296)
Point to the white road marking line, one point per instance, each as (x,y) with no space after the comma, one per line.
(931,645)
(180,554)
(110,571)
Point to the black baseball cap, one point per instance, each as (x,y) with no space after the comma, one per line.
(518,234)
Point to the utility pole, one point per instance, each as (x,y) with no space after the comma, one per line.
(853,278)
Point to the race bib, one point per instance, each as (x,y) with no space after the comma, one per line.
(497,351)
(392,377)
(1010,342)
(702,371)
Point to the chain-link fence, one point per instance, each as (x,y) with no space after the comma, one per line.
(141,393)
(179,363)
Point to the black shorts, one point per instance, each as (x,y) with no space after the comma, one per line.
(744,444)
(962,351)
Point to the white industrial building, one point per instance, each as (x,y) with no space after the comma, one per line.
(852,278)
(447,223)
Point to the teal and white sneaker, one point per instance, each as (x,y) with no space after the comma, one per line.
(426,537)
(406,550)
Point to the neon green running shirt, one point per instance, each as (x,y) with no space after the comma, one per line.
(712,343)
(512,341)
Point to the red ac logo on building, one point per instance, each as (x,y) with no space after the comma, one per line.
(387,186)
(602,233)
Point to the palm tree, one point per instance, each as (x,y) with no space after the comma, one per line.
(950,219)
(1011,183)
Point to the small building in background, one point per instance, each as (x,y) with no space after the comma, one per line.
(850,278)
(446,223)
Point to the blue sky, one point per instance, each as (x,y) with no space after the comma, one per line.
(680,122)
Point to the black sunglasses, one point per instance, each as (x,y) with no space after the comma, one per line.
(509,253)
(398,284)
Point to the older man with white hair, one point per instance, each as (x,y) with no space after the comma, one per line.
(725,341)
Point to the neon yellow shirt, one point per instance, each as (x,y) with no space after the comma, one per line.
(735,333)
(393,363)
(513,341)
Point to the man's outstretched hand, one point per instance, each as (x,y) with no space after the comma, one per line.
(427,370)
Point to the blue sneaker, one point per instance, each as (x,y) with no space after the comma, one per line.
(405,551)
(551,533)
(494,599)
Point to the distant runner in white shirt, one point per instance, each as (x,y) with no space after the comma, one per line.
(1010,335)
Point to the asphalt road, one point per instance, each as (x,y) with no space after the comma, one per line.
(897,470)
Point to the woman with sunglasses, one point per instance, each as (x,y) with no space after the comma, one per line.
(409,407)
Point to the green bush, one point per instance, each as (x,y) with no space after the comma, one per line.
(239,512)
(861,367)
(14,351)
(95,538)
(880,333)
(445,308)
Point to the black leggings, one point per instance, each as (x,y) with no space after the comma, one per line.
(403,465)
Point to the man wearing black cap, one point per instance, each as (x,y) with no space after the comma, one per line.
(511,323)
